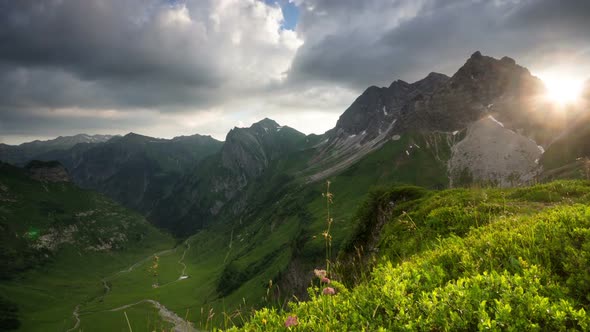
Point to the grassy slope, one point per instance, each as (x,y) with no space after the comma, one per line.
(465,259)
(49,287)
(280,223)
(283,222)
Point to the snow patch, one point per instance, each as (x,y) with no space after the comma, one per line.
(455,132)
(396,137)
(541,149)
(385,111)
(496,121)
(408,153)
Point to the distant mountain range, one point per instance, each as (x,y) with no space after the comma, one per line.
(25,152)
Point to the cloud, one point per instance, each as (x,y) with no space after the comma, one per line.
(168,68)
(359,43)
(131,51)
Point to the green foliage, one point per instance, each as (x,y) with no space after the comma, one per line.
(466,259)
(8,315)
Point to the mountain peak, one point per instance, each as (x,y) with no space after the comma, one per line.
(483,73)
(266,123)
(435,75)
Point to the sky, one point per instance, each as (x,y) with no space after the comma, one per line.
(166,68)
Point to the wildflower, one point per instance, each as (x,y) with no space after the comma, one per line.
(325,280)
(320,273)
(264,321)
(329,291)
(291,321)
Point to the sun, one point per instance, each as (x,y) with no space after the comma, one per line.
(562,89)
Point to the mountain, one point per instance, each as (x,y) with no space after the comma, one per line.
(202,193)
(134,170)
(137,170)
(264,211)
(271,204)
(368,123)
(21,154)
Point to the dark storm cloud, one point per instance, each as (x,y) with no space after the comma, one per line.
(163,56)
(116,47)
(374,42)
(180,59)
(41,122)
(98,39)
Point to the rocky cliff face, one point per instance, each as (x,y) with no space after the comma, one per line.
(372,119)
(247,152)
(47,171)
(483,88)
(475,90)
(377,108)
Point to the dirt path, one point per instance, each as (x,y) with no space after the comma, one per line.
(76,317)
(180,325)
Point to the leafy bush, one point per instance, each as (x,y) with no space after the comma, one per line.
(477,260)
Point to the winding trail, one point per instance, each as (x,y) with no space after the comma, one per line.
(76,317)
(181,262)
(180,325)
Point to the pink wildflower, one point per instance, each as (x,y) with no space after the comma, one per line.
(329,291)
(320,273)
(325,280)
(291,321)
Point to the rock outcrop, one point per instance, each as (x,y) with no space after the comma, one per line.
(47,171)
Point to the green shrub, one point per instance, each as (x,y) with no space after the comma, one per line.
(516,273)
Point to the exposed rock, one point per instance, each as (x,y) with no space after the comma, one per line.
(483,86)
(247,153)
(476,87)
(493,154)
(368,123)
(47,171)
